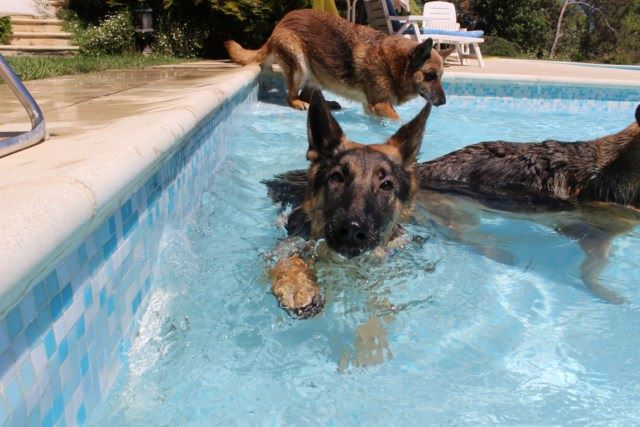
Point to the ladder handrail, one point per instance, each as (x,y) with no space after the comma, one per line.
(38,130)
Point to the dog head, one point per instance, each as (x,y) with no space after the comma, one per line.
(358,193)
(425,67)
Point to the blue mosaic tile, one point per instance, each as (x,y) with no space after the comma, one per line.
(80,327)
(58,408)
(82,254)
(7,362)
(4,337)
(55,307)
(27,375)
(126,210)
(63,350)
(14,323)
(51,283)
(67,296)
(109,247)
(110,305)
(103,296)
(88,297)
(44,316)
(12,392)
(130,224)
(40,295)
(50,343)
(32,332)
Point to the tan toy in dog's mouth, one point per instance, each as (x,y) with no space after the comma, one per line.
(294,285)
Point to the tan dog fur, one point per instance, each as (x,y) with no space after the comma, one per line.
(320,50)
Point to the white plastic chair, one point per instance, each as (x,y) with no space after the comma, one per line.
(441,16)
(382,16)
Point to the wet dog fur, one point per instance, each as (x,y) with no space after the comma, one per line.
(356,197)
(357,194)
(320,50)
(520,177)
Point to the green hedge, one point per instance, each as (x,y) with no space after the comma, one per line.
(497,46)
(5,29)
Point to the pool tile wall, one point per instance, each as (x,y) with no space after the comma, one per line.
(63,345)
(545,96)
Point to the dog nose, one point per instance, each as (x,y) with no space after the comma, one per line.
(440,101)
(353,232)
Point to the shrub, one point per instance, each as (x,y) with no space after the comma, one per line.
(5,30)
(179,40)
(527,23)
(115,35)
(497,46)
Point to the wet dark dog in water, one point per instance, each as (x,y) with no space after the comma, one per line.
(356,196)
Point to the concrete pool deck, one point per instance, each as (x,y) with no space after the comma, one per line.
(108,131)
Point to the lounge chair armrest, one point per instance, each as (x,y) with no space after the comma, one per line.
(408,18)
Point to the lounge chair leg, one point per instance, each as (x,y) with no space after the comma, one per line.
(460,51)
(476,50)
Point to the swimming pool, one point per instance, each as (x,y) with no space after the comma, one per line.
(497,327)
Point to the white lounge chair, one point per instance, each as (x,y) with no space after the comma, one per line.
(441,20)
(382,16)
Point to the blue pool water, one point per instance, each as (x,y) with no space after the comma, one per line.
(489,324)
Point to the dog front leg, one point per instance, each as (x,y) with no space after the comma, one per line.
(382,109)
(294,284)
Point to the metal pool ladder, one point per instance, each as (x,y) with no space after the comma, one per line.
(38,128)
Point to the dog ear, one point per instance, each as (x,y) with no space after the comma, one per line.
(638,115)
(446,52)
(420,54)
(323,131)
(408,138)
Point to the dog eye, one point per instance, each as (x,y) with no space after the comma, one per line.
(430,76)
(386,185)
(336,177)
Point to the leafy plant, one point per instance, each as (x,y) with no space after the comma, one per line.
(114,35)
(497,46)
(527,23)
(5,29)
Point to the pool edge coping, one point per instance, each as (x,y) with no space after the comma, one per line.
(533,79)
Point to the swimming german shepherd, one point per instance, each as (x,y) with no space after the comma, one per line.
(320,50)
(356,196)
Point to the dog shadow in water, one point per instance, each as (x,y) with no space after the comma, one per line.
(593,226)
(458,219)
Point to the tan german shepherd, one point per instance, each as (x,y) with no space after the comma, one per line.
(356,196)
(320,50)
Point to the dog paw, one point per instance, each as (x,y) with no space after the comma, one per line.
(309,310)
(298,104)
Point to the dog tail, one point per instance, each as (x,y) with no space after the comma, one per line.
(243,56)
(287,189)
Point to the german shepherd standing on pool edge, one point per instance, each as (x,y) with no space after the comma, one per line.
(360,63)
(355,196)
